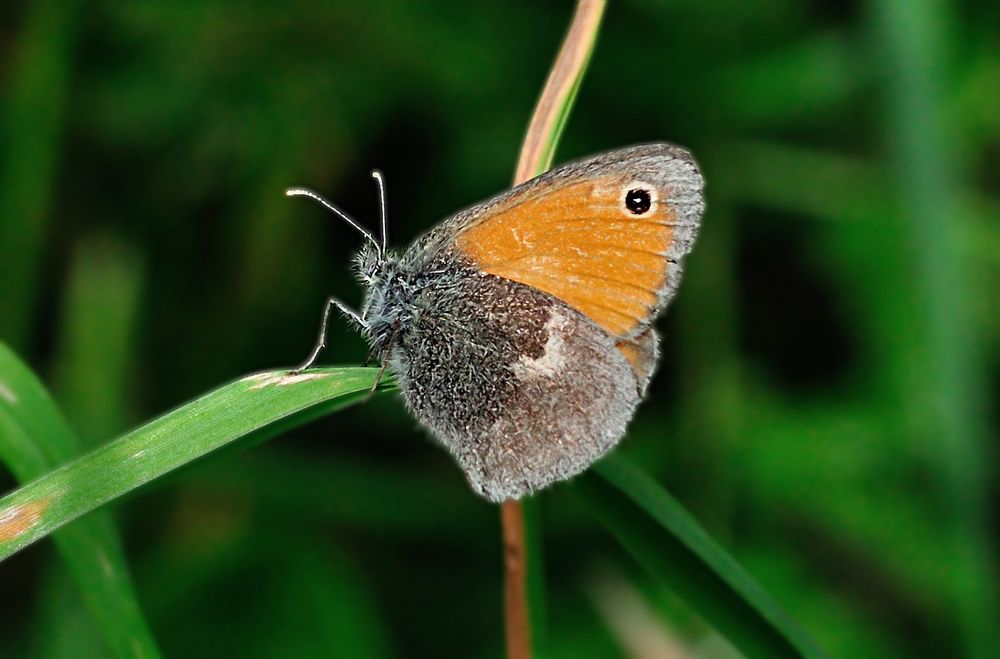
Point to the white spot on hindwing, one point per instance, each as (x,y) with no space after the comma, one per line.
(553,358)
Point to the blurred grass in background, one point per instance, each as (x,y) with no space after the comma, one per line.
(826,401)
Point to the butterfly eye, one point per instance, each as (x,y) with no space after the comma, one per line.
(638,201)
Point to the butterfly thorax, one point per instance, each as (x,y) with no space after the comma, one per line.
(386,292)
(401,288)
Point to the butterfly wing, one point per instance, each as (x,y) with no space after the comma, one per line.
(576,234)
(526,339)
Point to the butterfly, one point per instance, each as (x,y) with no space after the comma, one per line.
(519,330)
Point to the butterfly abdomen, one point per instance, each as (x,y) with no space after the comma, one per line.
(522,389)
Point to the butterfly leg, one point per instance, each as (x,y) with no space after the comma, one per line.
(385,360)
(330,303)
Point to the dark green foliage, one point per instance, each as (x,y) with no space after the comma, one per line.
(824,402)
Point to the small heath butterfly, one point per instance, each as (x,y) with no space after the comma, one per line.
(519,330)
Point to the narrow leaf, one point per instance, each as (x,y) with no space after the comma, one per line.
(668,542)
(35,438)
(252,404)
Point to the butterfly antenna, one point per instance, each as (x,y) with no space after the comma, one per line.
(380,181)
(305,192)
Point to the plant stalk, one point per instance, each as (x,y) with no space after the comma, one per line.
(537,150)
(515,560)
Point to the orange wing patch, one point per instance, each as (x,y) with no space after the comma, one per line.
(641,353)
(579,243)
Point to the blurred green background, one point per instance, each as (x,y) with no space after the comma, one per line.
(826,403)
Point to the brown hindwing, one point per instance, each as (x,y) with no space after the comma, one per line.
(521,388)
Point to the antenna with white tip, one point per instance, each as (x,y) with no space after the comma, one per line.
(306,192)
(380,180)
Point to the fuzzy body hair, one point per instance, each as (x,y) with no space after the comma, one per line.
(521,388)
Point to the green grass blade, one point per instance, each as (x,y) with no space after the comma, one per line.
(95,355)
(31,132)
(950,383)
(250,405)
(667,541)
(534,577)
(62,627)
(556,101)
(34,438)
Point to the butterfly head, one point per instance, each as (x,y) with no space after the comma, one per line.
(370,265)
(376,268)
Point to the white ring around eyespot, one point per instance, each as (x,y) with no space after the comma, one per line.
(638,185)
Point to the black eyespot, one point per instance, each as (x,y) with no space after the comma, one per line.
(638,201)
